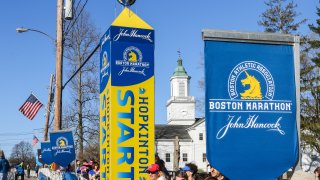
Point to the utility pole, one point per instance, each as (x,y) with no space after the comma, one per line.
(176,154)
(45,138)
(59,55)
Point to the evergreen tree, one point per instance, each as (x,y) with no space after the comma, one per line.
(310,89)
(280,17)
(315,43)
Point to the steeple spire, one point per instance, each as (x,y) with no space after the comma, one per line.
(180,71)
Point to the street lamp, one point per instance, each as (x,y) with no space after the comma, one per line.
(59,56)
(22,30)
(48,109)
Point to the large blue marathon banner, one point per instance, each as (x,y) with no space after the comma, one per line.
(46,153)
(250,107)
(62,145)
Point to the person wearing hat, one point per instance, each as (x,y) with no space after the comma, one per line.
(85,168)
(94,173)
(155,173)
(181,175)
(189,172)
(19,171)
(4,166)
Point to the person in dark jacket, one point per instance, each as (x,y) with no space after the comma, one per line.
(19,171)
(68,175)
(4,166)
(28,170)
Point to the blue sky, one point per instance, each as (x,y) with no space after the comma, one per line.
(28,59)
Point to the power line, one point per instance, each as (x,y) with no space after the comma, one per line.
(3,140)
(18,134)
(85,61)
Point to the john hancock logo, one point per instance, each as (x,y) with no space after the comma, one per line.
(132,62)
(251,90)
(105,65)
(62,146)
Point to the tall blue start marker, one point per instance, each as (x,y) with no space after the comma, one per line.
(251,103)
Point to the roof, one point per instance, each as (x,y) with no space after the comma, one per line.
(196,123)
(180,71)
(165,131)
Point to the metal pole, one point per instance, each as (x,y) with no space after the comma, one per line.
(48,110)
(59,55)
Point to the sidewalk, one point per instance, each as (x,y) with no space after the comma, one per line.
(301,175)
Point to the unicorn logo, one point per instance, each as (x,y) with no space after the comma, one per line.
(132,57)
(254,92)
(105,59)
(132,54)
(62,143)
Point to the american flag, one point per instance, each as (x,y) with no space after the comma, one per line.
(35,140)
(30,107)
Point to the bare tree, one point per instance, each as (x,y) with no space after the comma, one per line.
(22,152)
(82,113)
(201,85)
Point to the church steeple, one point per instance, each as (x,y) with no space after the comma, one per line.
(180,106)
(180,71)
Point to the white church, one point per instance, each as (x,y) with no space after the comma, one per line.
(183,132)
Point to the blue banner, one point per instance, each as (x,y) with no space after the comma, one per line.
(62,146)
(250,109)
(38,157)
(46,152)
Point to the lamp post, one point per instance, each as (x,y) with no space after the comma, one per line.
(48,109)
(22,30)
(59,53)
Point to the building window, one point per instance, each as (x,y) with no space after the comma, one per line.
(204,157)
(167,157)
(181,89)
(185,157)
(200,136)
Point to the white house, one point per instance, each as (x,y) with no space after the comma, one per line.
(181,123)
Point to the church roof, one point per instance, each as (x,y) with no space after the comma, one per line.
(180,71)
(196,123)
(165,131)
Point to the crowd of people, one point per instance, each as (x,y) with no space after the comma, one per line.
(188,172)
(158,171)
(90,171)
